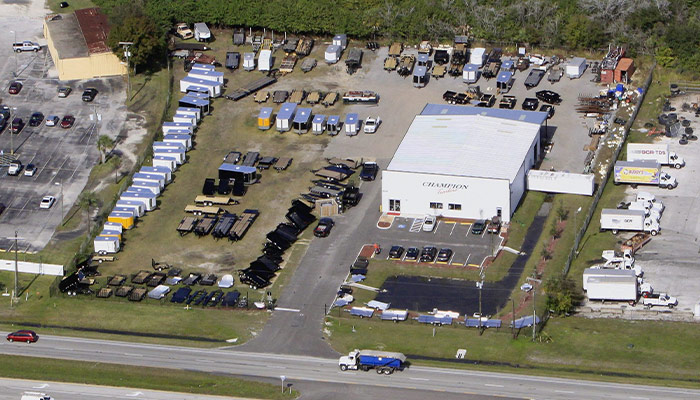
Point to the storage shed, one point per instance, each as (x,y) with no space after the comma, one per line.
(352,124)
(332,54)
(184,140)
(153,187)
(248,175)
(420,75)
(147,198)
(137,208)
(170,152)
(285,117)
(504,81)
(575,67)
(318,125)
(189,83)
(470,73)
(265,118)
(168,127)
(333,125)
(125,219)
(207,75)
(302,120)
(341,41)
(624,70)
(249,61)
(165,173)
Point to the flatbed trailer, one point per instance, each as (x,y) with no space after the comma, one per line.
(205,225)
(304,46)
(224,225)
(282,163)
(438,71)
(187,225)
(288,64)
(244,221)
(391,63)
(360,96)
(346,162)
(261,96)
(308,64)
(252,87)
(329,99)
(212,200)
(297,96)
(314,97)
(395,49)
(203,210)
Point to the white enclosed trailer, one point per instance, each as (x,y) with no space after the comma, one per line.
(189,118)
(188,83)
(171,127)
(576,67)
(137,206)
(332,54)
(184,140)
(106,244)
(210,75)
(560,182)
(202,32)
(146,177)
(265,60)
(177,153)
(249,61)
(477,56)
(190,111)
(166,173)
(153,187)
(146,197)
(610,284)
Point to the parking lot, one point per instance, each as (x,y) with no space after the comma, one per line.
(468,249)
(63,157)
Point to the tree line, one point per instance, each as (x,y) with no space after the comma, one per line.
(668,29)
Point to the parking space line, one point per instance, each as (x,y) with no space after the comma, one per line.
(436,227)
(453,227)
(472,265)
(465,262)
(465,223)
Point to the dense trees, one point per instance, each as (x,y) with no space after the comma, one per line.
(642,25)
(129,23)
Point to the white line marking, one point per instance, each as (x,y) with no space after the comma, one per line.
(419,379)
(564,391)
(639,398)
(287,309)
(492,385)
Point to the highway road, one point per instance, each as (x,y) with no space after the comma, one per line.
(303,370)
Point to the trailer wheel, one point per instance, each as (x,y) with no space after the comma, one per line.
(654,233)
(678,166)
(670,306)
(380,370)
(614,231)
(364,368)
(388,371)
(343,367)
(100,261)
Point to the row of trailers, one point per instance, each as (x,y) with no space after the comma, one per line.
(150,181)
(300,120)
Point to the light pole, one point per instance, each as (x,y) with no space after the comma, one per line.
(534,312)
(576,230)
(61,185)
(14,73)
(16,238)
(128,79)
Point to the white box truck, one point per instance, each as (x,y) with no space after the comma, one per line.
(656,152)
(610,284)
(615,220)
(202,32)
(646,207)
(645,172)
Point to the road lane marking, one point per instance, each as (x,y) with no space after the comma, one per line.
(564,391)
(419,379)
(639,398)
(287,309)
(492,385)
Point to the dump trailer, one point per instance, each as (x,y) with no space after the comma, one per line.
(385,362)
(616,220)
(654,152)
(646,172)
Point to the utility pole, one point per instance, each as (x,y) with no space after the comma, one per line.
(14,73)
(512,326)
(480,285)
(534,302)
(127,53)
(16,239)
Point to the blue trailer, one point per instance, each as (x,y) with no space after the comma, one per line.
(384,362)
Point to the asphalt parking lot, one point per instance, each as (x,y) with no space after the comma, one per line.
(468,249)
(63,157)
(670,260)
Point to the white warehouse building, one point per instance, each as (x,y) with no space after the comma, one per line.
(463,162)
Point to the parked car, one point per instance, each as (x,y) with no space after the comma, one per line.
(67,121)
(23,336)
(17,125)
(89,94)
(478,227)
(371,124)
(52,120)
(444,255)
(36,119)
(15,168)
(429,223)
(395,252)
(494,226)
(324,227)
(64,91)
(530,104)
(369,171)
(15,87)
(412,253)
(30,170)
(47,202)
(428,254)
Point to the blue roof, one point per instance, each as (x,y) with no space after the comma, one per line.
(175,136)
(420,70)
(333,119)
(431,319)
(203,66)
(106,239)
(507,64)
(533,117)
(187,109)
(318,118)
(351,118)
(169,145)
(149,169)
(194,101)
(146,175)
(200,95)
(489,323)
(423,58)
(142,193)
(525,322)
(287,111)
(470,67)
(302,116)
(200,82)
(163,150)
(341,303)
(334,48)
(177,124)
(504,77)
(361,312)
(237,168)
(265,112)
(211,73)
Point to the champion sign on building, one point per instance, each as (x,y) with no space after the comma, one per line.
(446,187)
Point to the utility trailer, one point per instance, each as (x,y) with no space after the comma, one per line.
(391,63)
(395,49)
(308,64)
(288,63)
(361,97)
(224,225)
(282,163)
(329,99)
(406,64)
(534,78)
(242,224)
(205,226)
(304,46)
(384,362)
(203,210)
(214,200)
(354,60)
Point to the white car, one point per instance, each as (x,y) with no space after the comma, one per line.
(429,223)
(371,124)
(30,170)
(52,120)
(47,202)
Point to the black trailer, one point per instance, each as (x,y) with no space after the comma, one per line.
(288,231)
(441,56)
(251,158)
(233,59)
(209,186)
(354,60)
(278,240)
(251,88)
(534,78)
(240,227)
(191,46)
(224,225)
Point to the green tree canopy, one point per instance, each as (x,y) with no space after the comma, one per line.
(562,294)
(142,31)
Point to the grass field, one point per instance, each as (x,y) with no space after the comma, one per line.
(46,369)
(73,5)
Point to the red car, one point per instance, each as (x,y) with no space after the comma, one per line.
(67,121)
(15,87)
(23,336)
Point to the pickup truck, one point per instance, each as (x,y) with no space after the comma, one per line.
(184,31)
(25,46)
(14,168)
(660,300)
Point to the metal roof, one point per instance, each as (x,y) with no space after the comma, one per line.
(420,70)
(533,117)
(351,118)
(333,119)
(200,95)
(431,319)
(203,66)
(177,124)
(237,168)
(334,48)
(423,58)
(504,77)
(399,315)
(95,29)
(174,136)
(319,118)
(202,72)
(194,101)
(507,64)
(287,111)
(470,67)
(525,322)
(198,81)
(302,116)
(361,311)
(265,112)
(577,62)
(462,142)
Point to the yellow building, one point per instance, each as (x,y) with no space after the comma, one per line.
(77,44)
